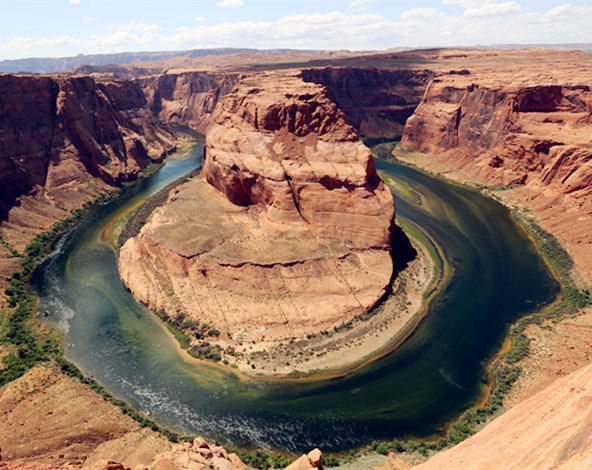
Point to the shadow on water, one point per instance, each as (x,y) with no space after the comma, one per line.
(403,250)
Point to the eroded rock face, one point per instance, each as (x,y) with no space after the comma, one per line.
(515,126)
(291,235)
(64,140)
(550,430)
(189,98)
(507,133)
(377,101)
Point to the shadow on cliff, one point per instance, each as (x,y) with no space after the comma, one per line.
(402,249)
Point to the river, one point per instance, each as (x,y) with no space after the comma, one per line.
(437,372)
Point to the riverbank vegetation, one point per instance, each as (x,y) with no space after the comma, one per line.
(27,343)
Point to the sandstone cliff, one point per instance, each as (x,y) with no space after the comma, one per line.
(507,133)
(551,430)
(291,236)
(188,98)
(64,141)
(520,127)
(377,101)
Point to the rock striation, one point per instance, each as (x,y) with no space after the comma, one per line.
(189,98)
(288,231)
(377,101)
(507,134)
(550,430)
(524,129)
(66,140)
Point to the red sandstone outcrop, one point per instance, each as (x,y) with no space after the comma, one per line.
(291,236)
(198,455)
(550,430)
(66,140)
(310,461)
(507,133)
(515,124)
(189,98)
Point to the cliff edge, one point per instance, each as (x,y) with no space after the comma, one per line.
(65,141)
(521,130)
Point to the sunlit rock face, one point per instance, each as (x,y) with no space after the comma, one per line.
(288,230)
(520,127)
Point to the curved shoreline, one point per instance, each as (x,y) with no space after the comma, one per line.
(339,358)
(340,352)
(392,339)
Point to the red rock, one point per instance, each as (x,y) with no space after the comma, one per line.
(296,237)
(309,461)
(64,140)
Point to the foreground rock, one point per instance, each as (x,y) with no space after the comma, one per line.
(290,237)
(310,461)
(49,421)
(551,430)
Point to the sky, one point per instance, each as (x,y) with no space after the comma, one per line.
(60,28)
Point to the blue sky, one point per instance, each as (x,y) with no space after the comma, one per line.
(57,28)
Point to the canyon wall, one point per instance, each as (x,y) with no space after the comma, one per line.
(377,101)
(291,233)
(188,98)
(530,137)
(507,134)
(66,140)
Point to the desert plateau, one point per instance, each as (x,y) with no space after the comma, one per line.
(287,256)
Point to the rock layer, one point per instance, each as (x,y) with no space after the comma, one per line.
(189,98)
(291,236)
(64,141)
(506,124)
(550,430)
(377,101)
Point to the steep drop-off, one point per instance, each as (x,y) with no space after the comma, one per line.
(377,101)
(66,140)
(516,128)
(292,234)
(507,134)
(189,98)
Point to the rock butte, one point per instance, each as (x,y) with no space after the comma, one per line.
(287,234)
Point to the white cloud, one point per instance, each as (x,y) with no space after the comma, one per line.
(75,2)
(88,19)
(488,23)
(469,3)
(360,3)
(419,14)
(230,3)
(334,30)
(560,10)
(199,18)
(492,9)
